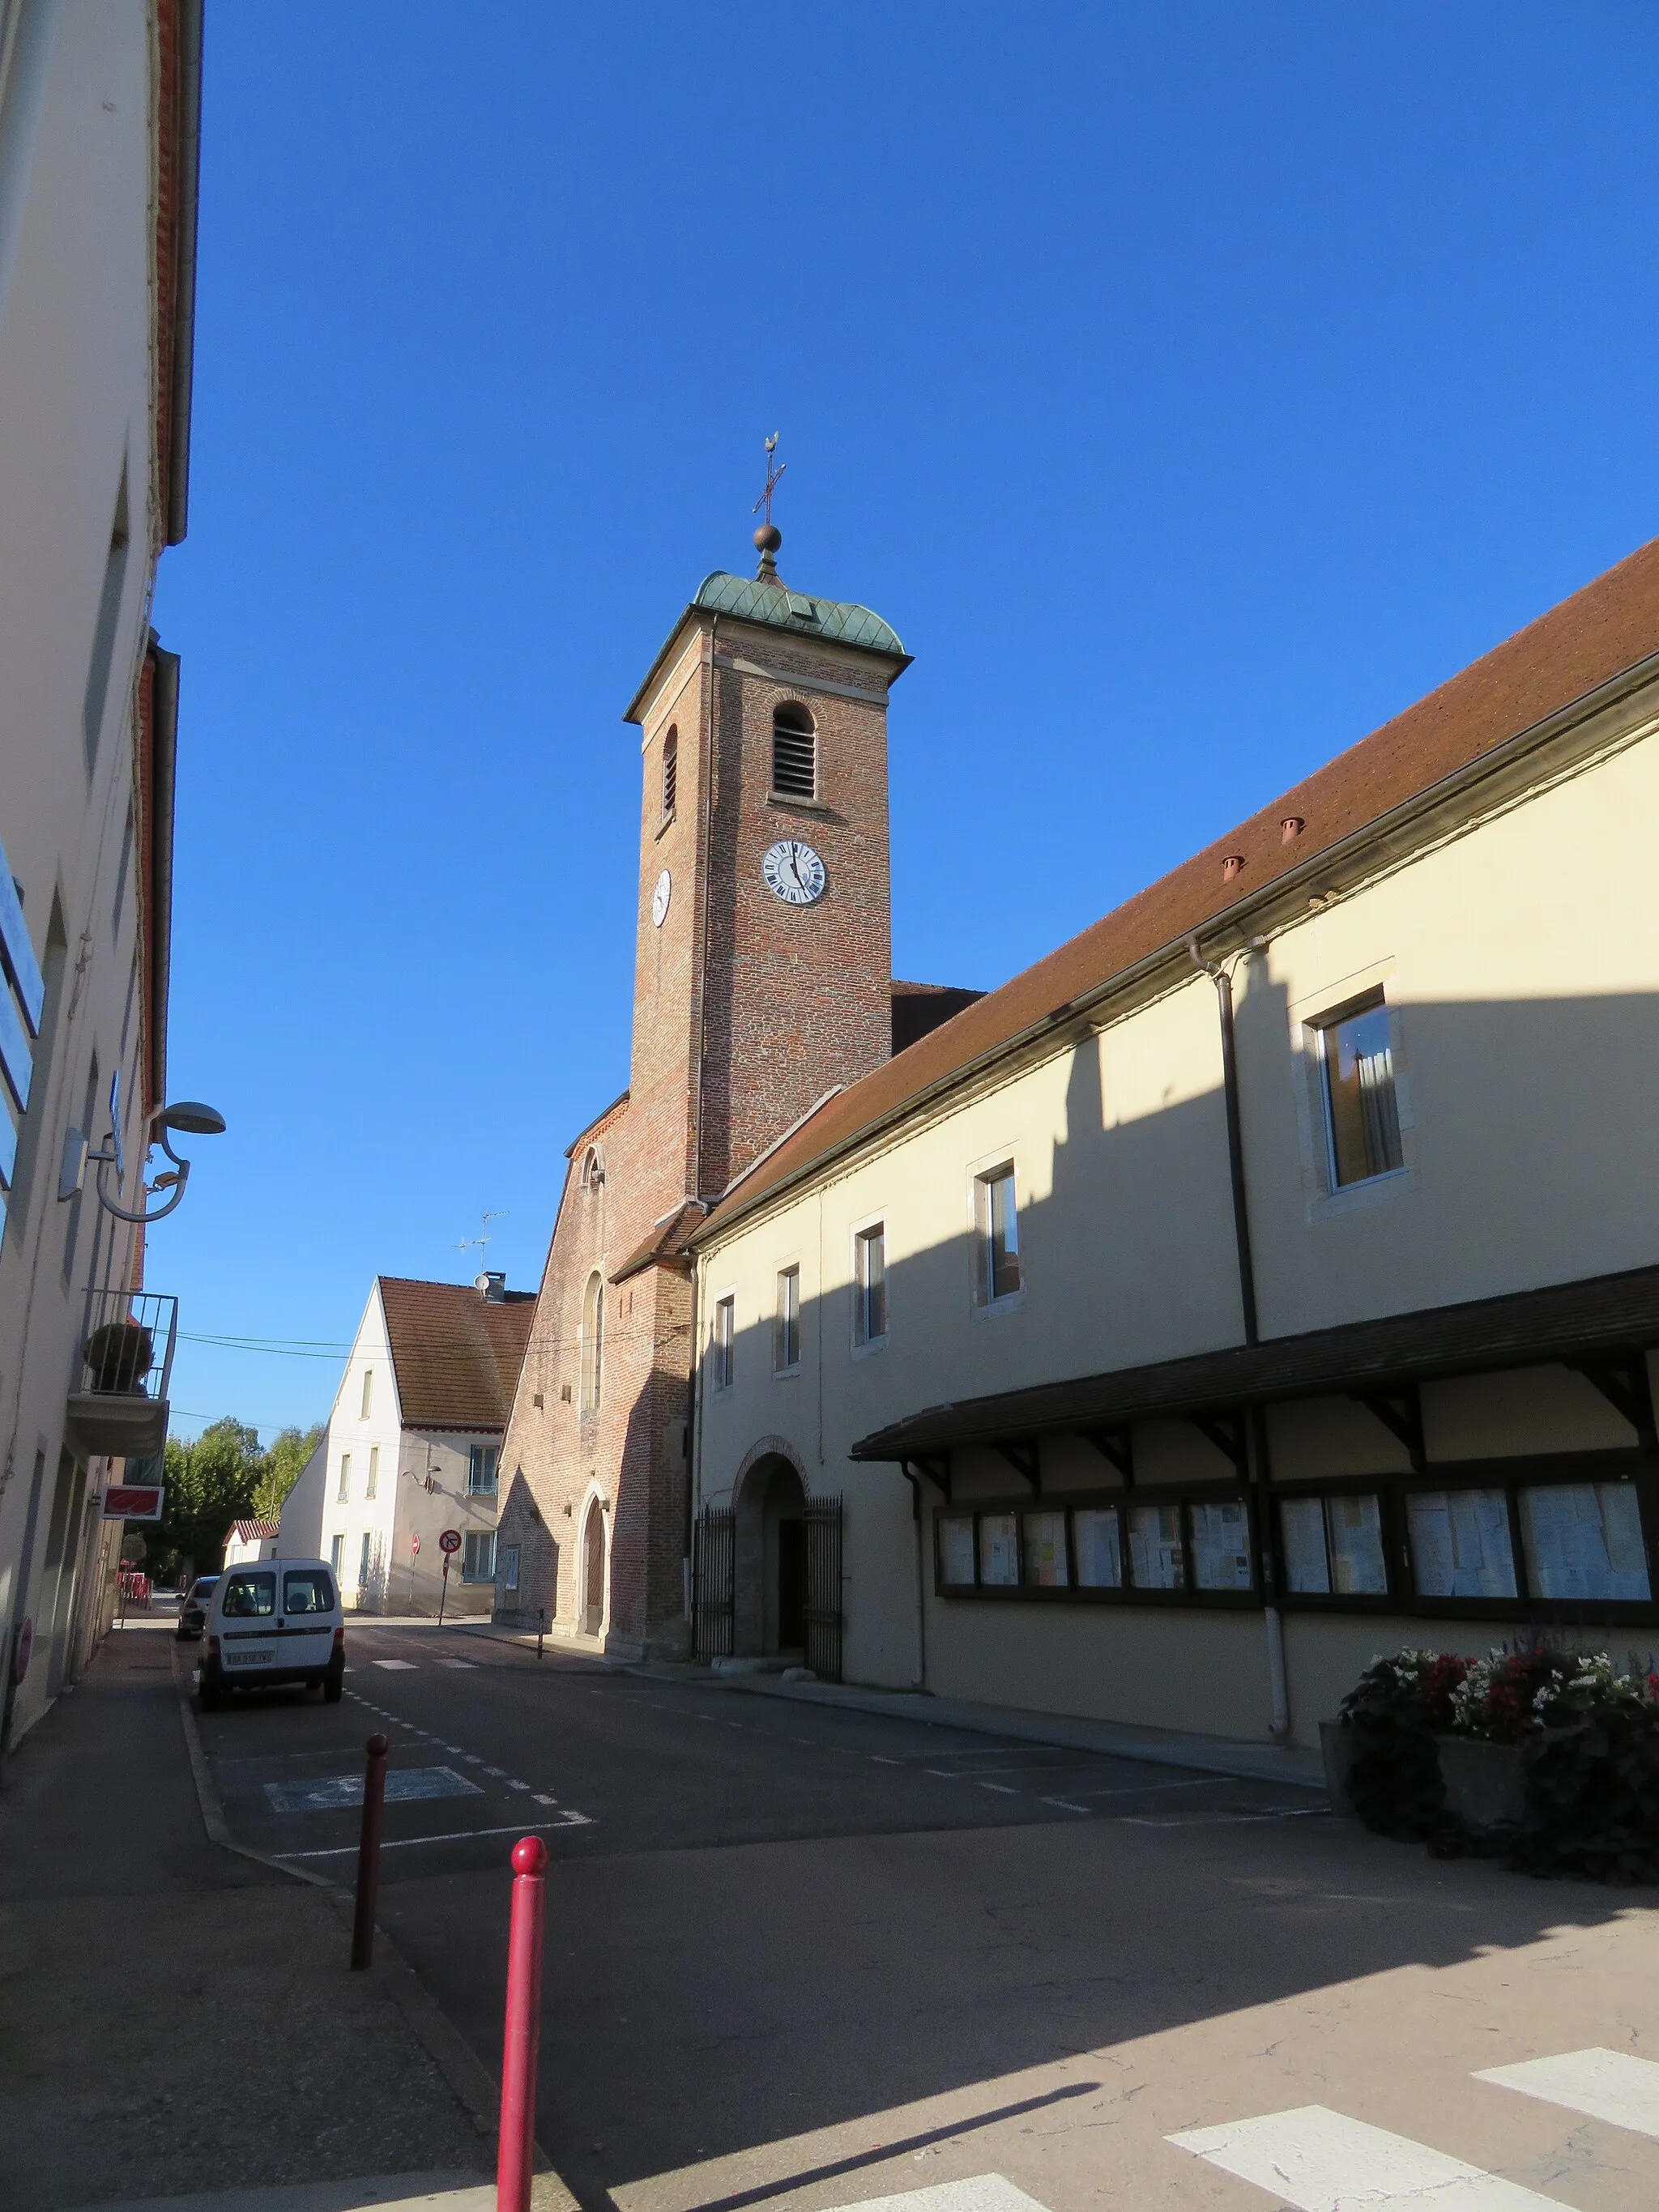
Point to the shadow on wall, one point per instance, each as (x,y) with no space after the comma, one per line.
(1528,1129)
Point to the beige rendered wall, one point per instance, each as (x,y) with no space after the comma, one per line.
(75,401)
(1520,964)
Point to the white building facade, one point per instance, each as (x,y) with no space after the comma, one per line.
(412,1450)
(98,165)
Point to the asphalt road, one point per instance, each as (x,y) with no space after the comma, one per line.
(805,1956)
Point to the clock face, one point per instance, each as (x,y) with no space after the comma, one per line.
(659,899)
(794,872)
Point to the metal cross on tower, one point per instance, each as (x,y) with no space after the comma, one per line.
(774,470)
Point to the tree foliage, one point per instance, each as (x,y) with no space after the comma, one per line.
(224,1476)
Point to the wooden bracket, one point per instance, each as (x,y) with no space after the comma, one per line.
(1026,1460)
(1226,1432)
(935,1466)
(1116,1446)
(1400,1413)
(1622,1379)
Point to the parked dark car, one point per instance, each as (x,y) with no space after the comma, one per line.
(193,1607)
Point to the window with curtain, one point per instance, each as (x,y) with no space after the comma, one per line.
(1362,1120)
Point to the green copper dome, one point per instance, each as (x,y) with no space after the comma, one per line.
(752,599)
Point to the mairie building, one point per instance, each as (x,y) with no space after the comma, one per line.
(1267,1278)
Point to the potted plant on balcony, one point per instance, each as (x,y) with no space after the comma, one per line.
(118,1354)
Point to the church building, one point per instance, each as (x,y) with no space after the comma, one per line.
(762,984)
(1267,1278)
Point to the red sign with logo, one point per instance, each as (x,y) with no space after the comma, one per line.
(132,1502)
(450,1540)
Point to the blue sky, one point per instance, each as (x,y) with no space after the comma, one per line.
(1191,388)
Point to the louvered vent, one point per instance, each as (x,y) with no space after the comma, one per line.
(794,754)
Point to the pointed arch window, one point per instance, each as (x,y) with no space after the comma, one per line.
(593,1342)
(794,753)
(671,773)
(593,1175)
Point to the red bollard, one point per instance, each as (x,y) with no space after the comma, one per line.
(368,1853)
(515,2163)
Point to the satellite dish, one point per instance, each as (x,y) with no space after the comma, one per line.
(481,1282)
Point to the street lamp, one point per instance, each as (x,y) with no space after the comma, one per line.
(188,1117)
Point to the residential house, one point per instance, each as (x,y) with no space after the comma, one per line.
(413,1447)
(251,1540)
(98,179)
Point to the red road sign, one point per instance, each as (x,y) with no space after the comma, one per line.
(132,1502)
(415,1541)
(450,1540)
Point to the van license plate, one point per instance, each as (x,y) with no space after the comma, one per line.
(249,1658)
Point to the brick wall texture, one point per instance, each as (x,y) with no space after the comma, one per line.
(746,1011)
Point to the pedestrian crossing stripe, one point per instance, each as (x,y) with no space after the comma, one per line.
(1317,2160)
(395,1666)
(982,2192)
(1604,2085)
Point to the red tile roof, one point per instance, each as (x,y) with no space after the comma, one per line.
(456,1356)
(1598,634)
(252,1532)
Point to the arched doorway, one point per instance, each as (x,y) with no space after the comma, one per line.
(769,1577)
(593,1571)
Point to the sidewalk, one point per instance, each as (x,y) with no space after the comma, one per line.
(177,2018)
(1208,1754)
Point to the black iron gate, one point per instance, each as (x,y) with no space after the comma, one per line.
(714,1556)
(823,1617)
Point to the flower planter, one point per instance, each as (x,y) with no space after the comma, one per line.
(1486,1782)
(1336,1747)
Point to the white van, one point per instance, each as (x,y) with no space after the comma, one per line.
(270,1622)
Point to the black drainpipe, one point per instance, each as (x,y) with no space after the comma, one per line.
(1255,1417)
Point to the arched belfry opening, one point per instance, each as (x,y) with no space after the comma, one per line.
(770,1565)
(593,1615)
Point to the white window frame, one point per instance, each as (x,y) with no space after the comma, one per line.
(1309,1018)
(367,1406)
(723,1342)
(343,1494)
(488,1456)
(865,1345)
(337,1555)
(789,1271)
(371,1486)
(477,1540)
(981,1174)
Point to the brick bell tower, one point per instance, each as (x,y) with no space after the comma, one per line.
(761,979)
(764,958)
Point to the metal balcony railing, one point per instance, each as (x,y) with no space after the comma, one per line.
(118,1399)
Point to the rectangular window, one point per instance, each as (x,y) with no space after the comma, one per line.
(1044,1535)
(1157,1559)
(307,1589)
(508,1561)
(369,1394)
(870,1284)
(998,1225)
(343,1493)
(481,1463)
(1099,1554)
(1362,1122)
(364,1557)
(1359,1566)
(478,1559)
(1583,1539)
(786,1350)
(250,1597)
(999,1550)
(1221,1545)
(371,1487)
(725,1341)
(337,1555)
(956,1550)
(1460,1543)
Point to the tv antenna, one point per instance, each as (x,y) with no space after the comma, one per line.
(480,1241)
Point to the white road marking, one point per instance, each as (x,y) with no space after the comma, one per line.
(497,1770)
(1065,1804)
(1607,2085)
(876,1759)
(458,1662)
(456,1835)
(395,1666)
(982,2192)
(540,1800)
(945,1774)
(517,1785)
(1001,1788)
(1140,1789)
(1319,2160)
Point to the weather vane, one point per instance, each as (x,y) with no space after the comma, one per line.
(774,470)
